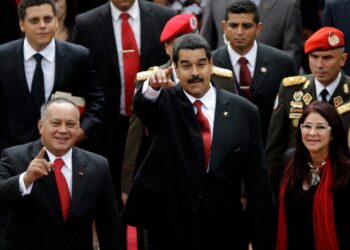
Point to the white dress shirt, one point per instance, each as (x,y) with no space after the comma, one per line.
(48,65)
(330,88)
(250,56)
(135,23)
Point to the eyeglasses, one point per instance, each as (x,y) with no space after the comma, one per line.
(319,128)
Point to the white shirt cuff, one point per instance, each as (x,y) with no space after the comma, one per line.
(148,92)
(22,187)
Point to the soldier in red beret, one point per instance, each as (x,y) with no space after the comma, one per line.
(325,49)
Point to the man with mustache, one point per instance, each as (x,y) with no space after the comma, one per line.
(327,82)
(188,189)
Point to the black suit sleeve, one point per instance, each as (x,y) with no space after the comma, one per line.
(260,196)
(107,217)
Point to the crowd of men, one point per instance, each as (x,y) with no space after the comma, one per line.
(138,122)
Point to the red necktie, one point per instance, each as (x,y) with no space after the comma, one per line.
(205,129)
(131,60)
(62,186)
(245,77)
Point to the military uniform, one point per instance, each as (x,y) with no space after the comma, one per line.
(138,140)
(294,95)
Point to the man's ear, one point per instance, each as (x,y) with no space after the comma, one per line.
(40,126)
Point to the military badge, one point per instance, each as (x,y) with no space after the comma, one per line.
(346,89)
(295,104)
(295,123)
(298,95)
(337,101)
(307,98)
(306,84)
(263,70)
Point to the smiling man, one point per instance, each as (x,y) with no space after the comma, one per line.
(327,82)
(187,191)
(56,190)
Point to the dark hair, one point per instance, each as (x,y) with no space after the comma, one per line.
(242,7)
(46,105)
(71,13)
(29,3)
(191,41)
(339,155)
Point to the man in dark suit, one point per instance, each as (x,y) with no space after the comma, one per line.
(327,82)
(53,206)
(100,30)
(64,67)
(187,191)
(267,65)
(281,24)
(138,140)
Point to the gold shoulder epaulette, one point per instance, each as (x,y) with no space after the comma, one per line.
(222,72)
(343,108)
(293,80)
(144,75)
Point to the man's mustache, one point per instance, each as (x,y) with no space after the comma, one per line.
(195,79)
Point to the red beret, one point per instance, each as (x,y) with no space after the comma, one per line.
(325,38)
(179,25)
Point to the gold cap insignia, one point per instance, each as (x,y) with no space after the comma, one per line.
(333,39)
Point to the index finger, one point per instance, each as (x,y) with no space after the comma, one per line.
(41,154)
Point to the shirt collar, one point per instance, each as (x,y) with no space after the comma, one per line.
(67,158)
(330,88)
(133,11)
(250,56)
(48,52)
(208,99)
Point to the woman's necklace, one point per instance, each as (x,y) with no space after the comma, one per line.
(315,173)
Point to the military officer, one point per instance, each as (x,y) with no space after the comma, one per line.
(325,49)
(138,138)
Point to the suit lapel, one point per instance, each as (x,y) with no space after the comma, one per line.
(79,178)
(146,24)
(60,68)
(107,31)
(260,71)
(264,7)
(22,83)
(223,115)
(48,182)
(193,129)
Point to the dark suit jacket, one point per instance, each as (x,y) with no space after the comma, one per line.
(35,220)
(173,194)
(271,67)
(73,73)
(138,139)
(94,30)
(336,14)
